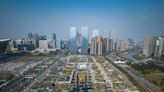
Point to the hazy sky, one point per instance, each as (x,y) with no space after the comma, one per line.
(126,18)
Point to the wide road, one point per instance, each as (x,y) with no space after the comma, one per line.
(149,87)
(103,73)
(41,77)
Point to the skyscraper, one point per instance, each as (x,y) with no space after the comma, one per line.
(73,41)
(58,44)
(99,46)
(159,47)
(34,38)
(121,45)
(149,45)
(54,40)
(106,42)
(85,41)
(43,44)
(95,34)
(96,43)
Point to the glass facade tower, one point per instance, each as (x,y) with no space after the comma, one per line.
(85,41)
(73,41)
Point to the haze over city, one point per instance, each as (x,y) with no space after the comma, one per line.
(135,17)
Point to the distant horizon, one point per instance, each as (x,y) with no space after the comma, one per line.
(49,36)
(126,18)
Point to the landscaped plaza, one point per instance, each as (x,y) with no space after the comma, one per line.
(80,73)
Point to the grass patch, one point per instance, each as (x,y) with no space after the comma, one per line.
(30,58)
(156,78)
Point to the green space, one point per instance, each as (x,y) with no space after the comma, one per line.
(137,56)
(61,88)
(99,88)
(6,75)
(147,68)
(134,82)
(156,78)
(152,72)
(31,58)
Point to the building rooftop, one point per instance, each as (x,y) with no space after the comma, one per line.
(1,40)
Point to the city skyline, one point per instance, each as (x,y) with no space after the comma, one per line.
(137,18)
(81,46)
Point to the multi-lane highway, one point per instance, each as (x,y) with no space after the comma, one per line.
(147,86)
(23,84)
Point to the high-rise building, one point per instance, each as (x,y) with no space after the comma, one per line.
(63,45)
(42,37)
(96,46)
(17,42)
(79,40)
(43,44)
(4,43)
(34,38)
(26,42)
(73,40)
(95,34)
(106,42)
(85,41)
(149,45)
(58,44)
(121,45)
(161,50)
(30,35)
(110,44)
(159,47)
(54,40)
(99,46)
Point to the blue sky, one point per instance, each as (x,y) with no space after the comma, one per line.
(126,18)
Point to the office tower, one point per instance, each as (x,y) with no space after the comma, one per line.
(95,34)
(110,45)
(26,42)
(43,44)
(17,42)
(30,35)
(117,45)
(85,41)
(79,40)
(96,43)
(54,40)
(121,45)
(106,42)
(42,37)
(73,41)
(58,44)
(149,45)
(157,52)
(34,38)
(159,47)
(63,45)
(161,44)
(93,46)
(99,46)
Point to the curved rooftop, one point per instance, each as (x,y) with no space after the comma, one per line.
(3,45)
(2,40)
